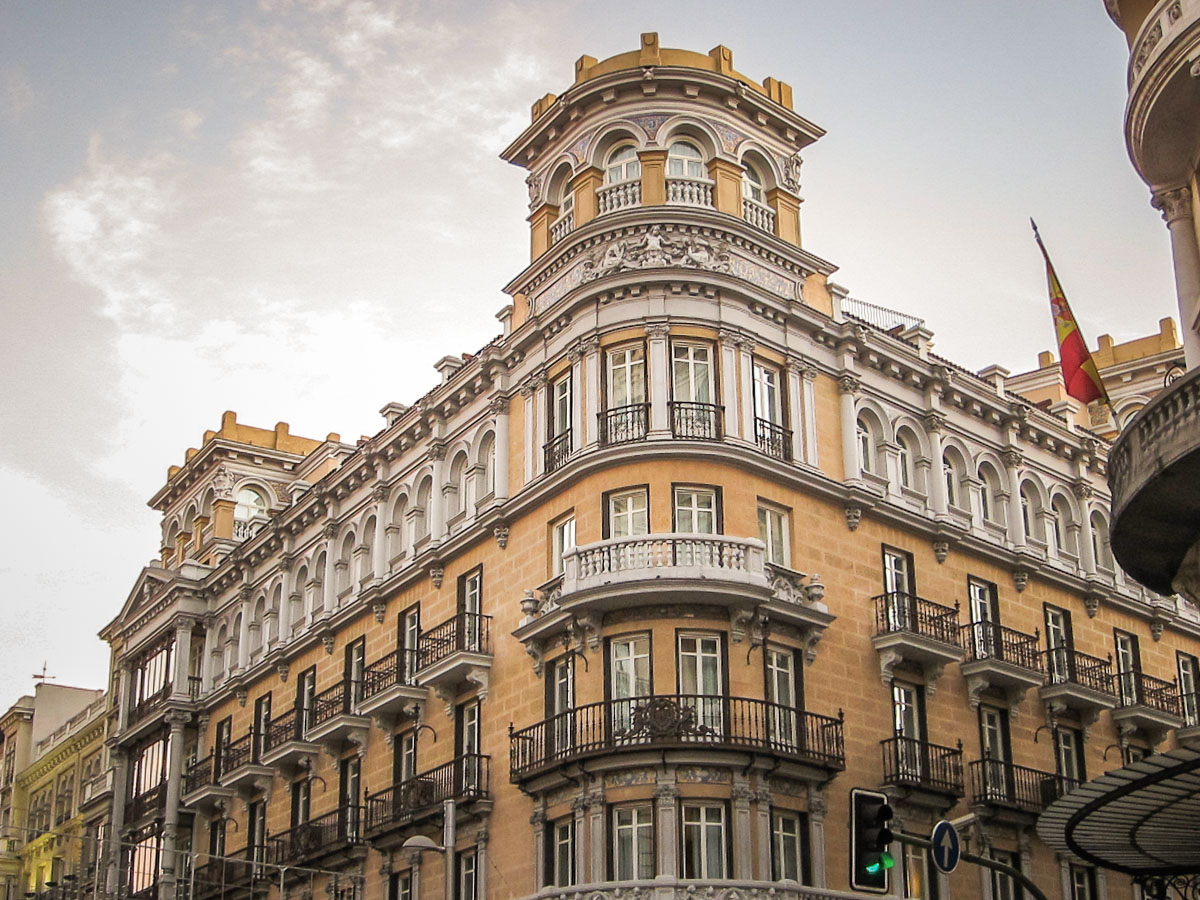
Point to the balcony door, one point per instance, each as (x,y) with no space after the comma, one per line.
(908,726)
(256,828)
(262,724)
(1189,672)
(467,745)
(356,662)
(1129,666)
(702,684)
(351,796)
(985,619)
(691,373)
(994,742)
(1068,755)
(409,627)
(899,586)
(224,739)
(306,698)
(783,695)
(1058,643)
(560,703)
(629,681)
(470,609)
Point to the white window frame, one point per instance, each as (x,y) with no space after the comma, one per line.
(628,513)
(692,505)
(688,166)
(692,372)
(562,394)
(562,539)
(708,823)
(787,862)
(629,362)
(638,826)
(768,393)
(562,853)
(624,170)
(774,530)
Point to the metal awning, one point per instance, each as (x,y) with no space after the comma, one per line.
(1141,819)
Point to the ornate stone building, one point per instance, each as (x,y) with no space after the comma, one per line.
(629,601)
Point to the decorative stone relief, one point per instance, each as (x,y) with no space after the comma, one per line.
(654,250)
(328,640)
(500,532)
(731,138)
(702,775)
(1173,204)
(791,171)
(533,182)
(650,123)
(1091,602)
(1020,579)
(853,517)
(379,608)
(436,574)
(627,777)
(941,549)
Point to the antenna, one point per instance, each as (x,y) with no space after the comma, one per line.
(43,676)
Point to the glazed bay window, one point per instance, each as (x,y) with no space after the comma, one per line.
(559,441)
(626,414)
(633,843)
(694,412)
(788,846)
(769,431)
(705,845)
(561,869)
(773,532)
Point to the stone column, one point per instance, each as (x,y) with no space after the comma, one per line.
(591,406)
(379,556)
(481,862)
(329,576)
(183,654)
(499,409)
(125,693)
(727,188)
(1016,524)
(666,804)
(437,512)
(577,401)
(1087,556)
(414,873)
(529,394)
(580,845)
(654,177)
(795,403)
(848,386)
(809,410)
(286,591)
(538,821)
(762,830)
(1176,208)
(746,382)
(120,768)
(596,841)
(817,807)
(212,653)
(742,853)
(659,362)
(934,423)
(176,720)
(727,351)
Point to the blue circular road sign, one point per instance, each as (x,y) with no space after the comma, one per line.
(946,847)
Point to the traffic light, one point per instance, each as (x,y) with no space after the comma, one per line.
(870,841)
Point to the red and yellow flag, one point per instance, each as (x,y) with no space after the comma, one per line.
(1078,370)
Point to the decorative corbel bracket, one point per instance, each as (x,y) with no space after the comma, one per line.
(853,517)
(480,677)
(536,650)
(740,620)
(379,608)
(500,532)
(888,660)
(436,575)
(585,631)
(328,639)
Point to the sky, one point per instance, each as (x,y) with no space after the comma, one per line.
(293,208)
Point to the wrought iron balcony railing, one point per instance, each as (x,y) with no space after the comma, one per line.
(335,701)
(988,640)
(557,450)
(463,779)
(681,720)
(238,869)
(774,440)
(319,836)
(239,752)
(1068,666)
(201,773)
(465,632)
(917,763)
(396,668)
(1000,783)
(289,725)
(148,704)
(901,612)
(1140,689)
(624,424)
(695,421)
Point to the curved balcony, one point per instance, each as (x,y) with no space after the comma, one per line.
(714,570)
(1162,118)
(1154,475)
(680,722)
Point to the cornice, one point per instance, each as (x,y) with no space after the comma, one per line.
(71,746)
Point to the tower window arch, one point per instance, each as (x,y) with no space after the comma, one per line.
(684,160)
(250,504)
(752,183)
(623,165)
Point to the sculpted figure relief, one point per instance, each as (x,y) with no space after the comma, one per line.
(655,250)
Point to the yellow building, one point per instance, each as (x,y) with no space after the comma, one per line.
(630,599)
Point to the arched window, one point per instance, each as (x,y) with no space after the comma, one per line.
(456,497)
(867,452)
(1031,512)
(989,493)
(396,534)
(752,183)
(298,609)
(344,562)
(367,564)
(623,165)
(684,160)
(1101,548)
(907,458)
(421,522)
(487,458)
(251,504)
(1064,526)
(952,471)
(318,583)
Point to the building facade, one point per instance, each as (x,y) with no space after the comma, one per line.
(630,599)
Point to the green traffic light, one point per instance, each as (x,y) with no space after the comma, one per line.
(886,860)
(873,867)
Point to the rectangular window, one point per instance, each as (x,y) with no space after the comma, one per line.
(695,510)
(560,700)
(627,513)
(995,744)
(561,870)
(1068,753)
(704,844)
(1059,643)
(629,677)
(466,741)
(917,883)
(701,677)
(1083,883)
(356,661)
(985,617)
(1189,670)
(909,727)
(470,607)
(633,842)
(626,376)
(401,887)
(691,373)
(773,532)
(256,830)
(404,757)
(409,627)
(467,882)
(560,406)
(262,724)
(1005,887)
(306,694)
(768,399)
(789,842)
(784,695)
(301,801)
(898,576)
(562,539)
(1129,665)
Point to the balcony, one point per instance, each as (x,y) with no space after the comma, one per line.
(611,728)
(557,451)
(758,214)
(141,711)
(773,440)
(457,650)
(624,424)
(618,196)
(287,747)
(714,570)
(389,688)
(1002,658)
(1154,474)
(334,837)
(95,790)
(1146,704)
(909,628)
(464,780)
(697,192)
(202,788)
(1014,794)
(240,767)
(1078,682)
(562,226)
(335,722)
(924,773)
(695,421)
(240,874)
